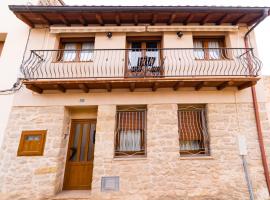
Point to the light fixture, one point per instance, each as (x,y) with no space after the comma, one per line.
(109,34)
(179,34)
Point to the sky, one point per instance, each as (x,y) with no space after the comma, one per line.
(262,31)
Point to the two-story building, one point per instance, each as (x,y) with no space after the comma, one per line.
(131,102)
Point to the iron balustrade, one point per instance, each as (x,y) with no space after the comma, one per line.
(128,63)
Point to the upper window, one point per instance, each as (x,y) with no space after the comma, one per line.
(1,46)
(130,131)
(193,135)
(209,48)
(76,49)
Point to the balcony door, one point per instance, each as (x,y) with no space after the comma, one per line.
(144,58)
(80,156)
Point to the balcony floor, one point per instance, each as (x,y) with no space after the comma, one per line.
(86,85)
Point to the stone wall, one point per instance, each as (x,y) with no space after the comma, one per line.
(33,177)
(161,175)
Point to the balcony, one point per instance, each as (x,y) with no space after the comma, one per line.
(140,68)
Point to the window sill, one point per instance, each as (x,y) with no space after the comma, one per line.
(196,158)
(129,158)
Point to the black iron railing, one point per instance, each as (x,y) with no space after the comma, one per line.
(121,63)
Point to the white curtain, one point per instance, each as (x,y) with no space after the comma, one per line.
(214,53)
(134,56)
(69,54)
(198,53)
(155,54)
(189,145)
(87,51)
(130,140)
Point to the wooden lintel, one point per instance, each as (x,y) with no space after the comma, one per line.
(136,21)
(224,85)
(155,86)
(205,19)
(154,19)
(109,87)
(60,88)
(25,20)
(246,85)
(118,20)
(177,85)
(44,18)
(222,19)
(84,87)
(99,19)
(188,19)
(83,20)
(64,20)
(200,85)
(239,19)
(34,88)
(172,18)
(132,87)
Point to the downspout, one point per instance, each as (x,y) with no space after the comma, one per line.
(256,109)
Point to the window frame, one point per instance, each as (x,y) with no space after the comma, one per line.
(205,45)
(39,149)
(79,42)
(127,154)
(2,43)
(207,149)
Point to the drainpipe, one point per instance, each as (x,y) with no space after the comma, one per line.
(256,109)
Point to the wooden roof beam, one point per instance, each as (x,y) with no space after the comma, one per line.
(188,19)
(155,86)
(239,19)
(205,19)
(200,85)
(83,20)
(177,85)
(172,18)
(132,87)
(44,18)
(118,20)
(34,88)
(109,87)
(224,85)
(64,20)
(84,87)
(246,85)
(99,19)
(25,20)
(136,19)
(222,19)
(60,88)
(154,19)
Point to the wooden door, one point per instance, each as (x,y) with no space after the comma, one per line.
(80,155)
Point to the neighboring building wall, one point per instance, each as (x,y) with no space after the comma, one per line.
(11,57)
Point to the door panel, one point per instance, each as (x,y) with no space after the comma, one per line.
(80,156)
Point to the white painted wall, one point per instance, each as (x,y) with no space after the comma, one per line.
(11,57)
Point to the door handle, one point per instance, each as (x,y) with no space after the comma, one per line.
(73,153)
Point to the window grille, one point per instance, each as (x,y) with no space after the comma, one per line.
(193,135)
(130,131)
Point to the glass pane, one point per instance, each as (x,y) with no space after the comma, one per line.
(130,140)
(69,52)
(91,142)
(136,45)
(75,142)
(87,51)
(151,45)
(199,52)
(32,138)
(85,133)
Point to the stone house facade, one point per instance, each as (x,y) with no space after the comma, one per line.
(136,103)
